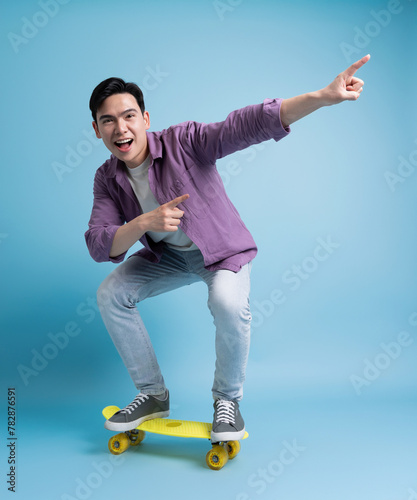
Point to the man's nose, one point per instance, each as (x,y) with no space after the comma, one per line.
(121,127)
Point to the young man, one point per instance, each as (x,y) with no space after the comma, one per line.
(163,189)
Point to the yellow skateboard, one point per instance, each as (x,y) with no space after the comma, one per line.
(216,458)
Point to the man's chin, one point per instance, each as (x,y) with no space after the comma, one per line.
(125,157)
(130,160)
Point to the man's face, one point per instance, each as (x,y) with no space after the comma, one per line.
(122,127)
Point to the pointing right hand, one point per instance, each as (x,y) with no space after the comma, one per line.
(165,218)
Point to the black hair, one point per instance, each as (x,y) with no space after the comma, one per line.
(113,86)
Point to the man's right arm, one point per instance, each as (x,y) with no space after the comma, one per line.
(104,222)
(165,218)
(109,238)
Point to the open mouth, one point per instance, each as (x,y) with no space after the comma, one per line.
(124,144)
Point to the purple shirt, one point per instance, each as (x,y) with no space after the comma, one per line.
(183,160)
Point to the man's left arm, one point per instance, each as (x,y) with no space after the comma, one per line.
(345,87)
(258,123)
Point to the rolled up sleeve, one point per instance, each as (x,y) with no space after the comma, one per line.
(242,128)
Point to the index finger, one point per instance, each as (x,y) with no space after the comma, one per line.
(176,201)
(355,66)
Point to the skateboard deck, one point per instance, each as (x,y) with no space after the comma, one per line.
(216,458)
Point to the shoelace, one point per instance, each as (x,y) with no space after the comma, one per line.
(225,411)
(139,399)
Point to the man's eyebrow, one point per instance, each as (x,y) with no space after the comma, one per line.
(103,117)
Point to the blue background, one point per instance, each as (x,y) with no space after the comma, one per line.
(346,174)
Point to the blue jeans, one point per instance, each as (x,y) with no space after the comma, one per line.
(228,300)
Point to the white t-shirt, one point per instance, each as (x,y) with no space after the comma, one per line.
(138,178)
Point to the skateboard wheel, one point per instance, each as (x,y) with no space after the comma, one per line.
(119,443)
(217,457)
(136,437)
(233,448)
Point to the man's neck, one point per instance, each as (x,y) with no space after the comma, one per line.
(139,159)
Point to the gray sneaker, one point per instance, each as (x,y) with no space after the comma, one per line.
(142,408)
(228,424)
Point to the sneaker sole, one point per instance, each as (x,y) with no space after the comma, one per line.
(129,426)
(227,436)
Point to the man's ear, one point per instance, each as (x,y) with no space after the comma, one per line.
(96,130)
(147,120)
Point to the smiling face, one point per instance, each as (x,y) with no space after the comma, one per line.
(122,127)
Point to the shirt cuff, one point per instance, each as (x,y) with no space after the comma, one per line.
(272,108)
